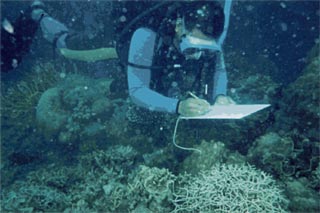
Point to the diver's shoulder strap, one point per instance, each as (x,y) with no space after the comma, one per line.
(227,10)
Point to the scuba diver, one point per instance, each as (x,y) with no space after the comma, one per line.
(16,37)
(182,57)
(175,53)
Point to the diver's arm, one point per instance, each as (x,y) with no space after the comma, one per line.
(54,31)
(220,83)
(141,53)
(220,77)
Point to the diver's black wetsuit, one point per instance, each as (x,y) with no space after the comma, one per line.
(16,44)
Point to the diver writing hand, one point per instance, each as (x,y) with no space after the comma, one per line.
(224,100)
(193,107)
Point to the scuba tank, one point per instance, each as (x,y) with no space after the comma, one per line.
(132,15)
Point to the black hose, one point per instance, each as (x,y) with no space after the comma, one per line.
(136,19)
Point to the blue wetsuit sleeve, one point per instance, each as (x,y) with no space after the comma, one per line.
(53,29)
(220,77)
(141,53)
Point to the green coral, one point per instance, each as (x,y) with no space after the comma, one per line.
(273,153)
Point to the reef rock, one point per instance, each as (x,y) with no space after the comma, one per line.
(49,113)
(78,107)
(300,104)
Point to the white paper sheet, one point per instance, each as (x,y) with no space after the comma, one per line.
(229,111)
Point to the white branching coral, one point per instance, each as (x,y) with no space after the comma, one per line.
(230,188)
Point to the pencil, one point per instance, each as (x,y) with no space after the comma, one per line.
(193,95)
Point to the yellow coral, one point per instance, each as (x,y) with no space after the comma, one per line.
(18,102)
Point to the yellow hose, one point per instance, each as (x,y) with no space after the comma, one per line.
(89,55)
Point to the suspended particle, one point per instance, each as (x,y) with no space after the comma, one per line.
(249,8)
(123,19)
(283,5)
(284,26)
(14,63)
(7,26)
(62,75)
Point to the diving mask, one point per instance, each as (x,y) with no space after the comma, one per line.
(193,47)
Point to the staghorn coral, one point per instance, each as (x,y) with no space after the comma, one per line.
(229,188)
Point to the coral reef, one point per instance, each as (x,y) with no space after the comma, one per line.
(19,133)
(250,82)
(38,199)
(19,101)
(49,114)
(301,100)
(274,154)
(152,188)
(212,152)
(95,183)
(235,134)
(230,188)
(76,108)
(82,114)
(111,181)
(290,149)
(302,197)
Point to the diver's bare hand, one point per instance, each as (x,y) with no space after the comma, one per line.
(193,107)
(224,100)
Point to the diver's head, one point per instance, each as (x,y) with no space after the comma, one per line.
(199,24)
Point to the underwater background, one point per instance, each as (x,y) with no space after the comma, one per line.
(70,144)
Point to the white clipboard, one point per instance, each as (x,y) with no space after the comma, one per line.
(229,111)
